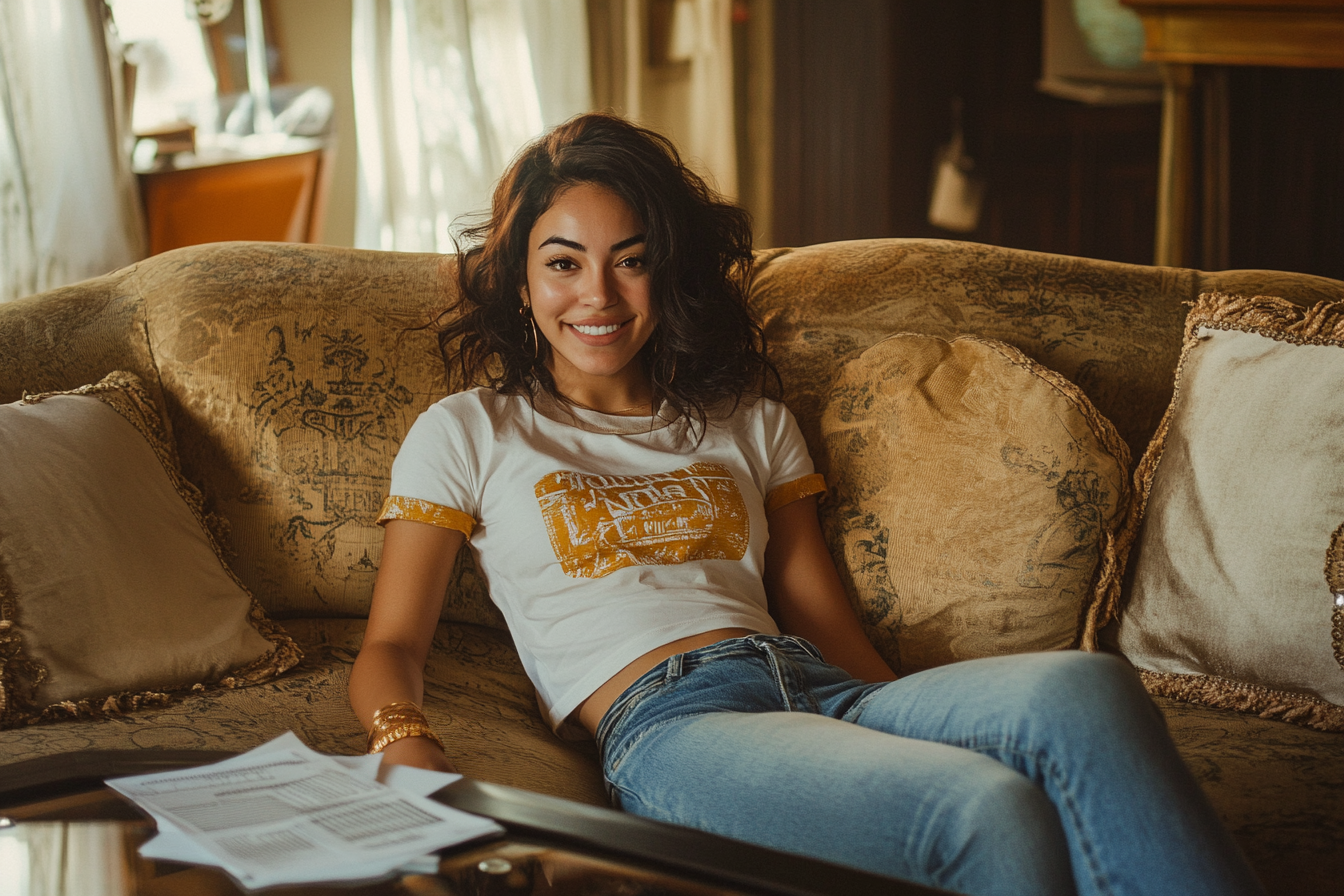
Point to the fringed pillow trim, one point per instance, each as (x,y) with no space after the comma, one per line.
(1210,690)
(20,676)
(1113,551)
(1334,577)
(1269,316)
(1281,320)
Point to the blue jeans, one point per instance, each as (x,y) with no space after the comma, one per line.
(1033,774)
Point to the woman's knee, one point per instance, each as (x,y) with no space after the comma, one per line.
(999,833)
(1079,687)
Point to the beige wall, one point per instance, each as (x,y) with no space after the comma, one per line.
(315,41)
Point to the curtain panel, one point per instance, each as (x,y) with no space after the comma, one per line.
(69,204)
(446,92)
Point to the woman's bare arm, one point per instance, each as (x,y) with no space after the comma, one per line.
(807,597)
(413,575)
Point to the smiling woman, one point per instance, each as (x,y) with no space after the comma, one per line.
(589,230)
(645,519)
(592,305)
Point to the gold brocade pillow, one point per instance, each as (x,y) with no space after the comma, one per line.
(980,503)
(113,590)
(1231,603)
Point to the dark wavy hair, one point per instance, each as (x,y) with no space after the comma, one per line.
(707,351)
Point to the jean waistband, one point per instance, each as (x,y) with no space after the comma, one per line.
(680,664)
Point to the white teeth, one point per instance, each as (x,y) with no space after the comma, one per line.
(596,331)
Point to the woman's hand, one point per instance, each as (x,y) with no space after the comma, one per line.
(413,575)
(420,752)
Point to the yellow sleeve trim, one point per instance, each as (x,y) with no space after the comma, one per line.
(421,511)
(811,484)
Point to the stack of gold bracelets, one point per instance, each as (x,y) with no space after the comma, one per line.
(395,721)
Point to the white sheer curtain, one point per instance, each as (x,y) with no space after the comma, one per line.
(68,202)
(446,92)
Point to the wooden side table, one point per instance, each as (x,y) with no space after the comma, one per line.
(1180,34)
(279,196)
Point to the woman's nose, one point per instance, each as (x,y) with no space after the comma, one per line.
(601,292)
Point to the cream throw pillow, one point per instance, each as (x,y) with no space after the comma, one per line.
(1244,482)
(980,503)
(113,590)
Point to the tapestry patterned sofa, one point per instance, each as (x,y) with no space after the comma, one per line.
(283,377)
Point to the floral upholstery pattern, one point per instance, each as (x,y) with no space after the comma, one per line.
(290,376)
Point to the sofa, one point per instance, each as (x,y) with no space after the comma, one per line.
(285,376)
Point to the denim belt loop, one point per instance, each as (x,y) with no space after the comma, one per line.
(675,667)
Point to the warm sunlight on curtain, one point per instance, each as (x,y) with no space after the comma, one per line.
(668,64)
(68,202)
(446,91)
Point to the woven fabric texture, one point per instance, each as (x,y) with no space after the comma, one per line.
(1230,603)
(981,503)
(114,592)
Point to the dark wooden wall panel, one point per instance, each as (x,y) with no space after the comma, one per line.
(863,94)
(832,118)
(1287,169)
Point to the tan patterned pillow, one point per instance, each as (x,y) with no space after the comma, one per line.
(114,593)
(1244,484)
(980,504)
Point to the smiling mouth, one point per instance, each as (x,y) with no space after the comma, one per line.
(597,330)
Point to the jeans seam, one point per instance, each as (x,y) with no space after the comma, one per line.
(617,760)
(627,706)
(855,712)
(1051,770)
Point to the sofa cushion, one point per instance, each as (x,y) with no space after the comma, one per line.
(113,589)
(980,504)
(1230,603)
(1278,788)
(477,698)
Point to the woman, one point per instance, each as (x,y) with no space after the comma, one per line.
(618,474)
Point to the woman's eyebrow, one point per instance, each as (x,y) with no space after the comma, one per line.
(569,244)
(579,247)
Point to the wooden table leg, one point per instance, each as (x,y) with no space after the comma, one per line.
(1173,182)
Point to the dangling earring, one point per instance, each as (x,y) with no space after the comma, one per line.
(657,352)
(530,323)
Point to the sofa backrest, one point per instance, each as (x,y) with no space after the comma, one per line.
(290,373)
(1113,329)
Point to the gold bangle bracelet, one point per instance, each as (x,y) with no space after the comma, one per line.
(404,731)
(392,715)
(396,721)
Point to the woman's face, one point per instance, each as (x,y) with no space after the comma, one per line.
(590,293)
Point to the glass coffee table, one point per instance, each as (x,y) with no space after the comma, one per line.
(65,834)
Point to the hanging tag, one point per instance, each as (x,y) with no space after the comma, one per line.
(957,194)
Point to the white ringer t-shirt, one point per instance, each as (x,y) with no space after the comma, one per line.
(602,537)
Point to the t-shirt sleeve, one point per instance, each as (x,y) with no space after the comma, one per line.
(792,473)
(434,475)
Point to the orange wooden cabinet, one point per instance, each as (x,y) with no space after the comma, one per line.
(278,197)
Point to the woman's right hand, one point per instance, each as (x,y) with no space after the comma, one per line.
(420,752)
(413,575)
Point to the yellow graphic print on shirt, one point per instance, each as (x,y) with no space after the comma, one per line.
(599,524)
